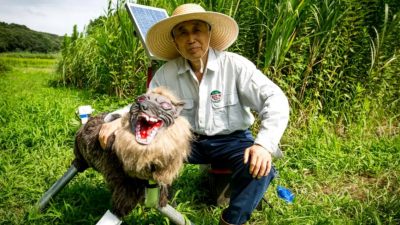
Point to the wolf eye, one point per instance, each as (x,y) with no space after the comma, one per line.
(166,105)
(141,99)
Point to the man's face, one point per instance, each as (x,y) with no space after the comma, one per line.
(192,38)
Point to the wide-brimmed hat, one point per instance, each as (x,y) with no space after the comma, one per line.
(224,30)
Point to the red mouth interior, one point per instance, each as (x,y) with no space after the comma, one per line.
(146,129)
(147,126)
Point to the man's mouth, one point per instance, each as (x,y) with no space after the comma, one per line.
(194,49)
(146,128)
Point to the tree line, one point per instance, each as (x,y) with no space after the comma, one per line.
(15,37)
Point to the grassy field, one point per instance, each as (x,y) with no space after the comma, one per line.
(348,175)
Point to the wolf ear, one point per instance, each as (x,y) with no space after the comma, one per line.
(178,108)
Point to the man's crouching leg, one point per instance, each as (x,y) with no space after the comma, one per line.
(246,193)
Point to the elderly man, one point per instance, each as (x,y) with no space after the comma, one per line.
(219,89)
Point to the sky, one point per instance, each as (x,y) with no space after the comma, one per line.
(52,16)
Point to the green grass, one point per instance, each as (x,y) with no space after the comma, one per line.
(24,55)
(349,175)
(28,60)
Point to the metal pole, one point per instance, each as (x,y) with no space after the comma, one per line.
(109,219)
(175,216)
(57,186)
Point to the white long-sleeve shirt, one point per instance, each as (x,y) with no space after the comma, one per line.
(221,102)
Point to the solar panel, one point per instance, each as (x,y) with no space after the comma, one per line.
(143,17)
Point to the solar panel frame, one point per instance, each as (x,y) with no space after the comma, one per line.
(143,17)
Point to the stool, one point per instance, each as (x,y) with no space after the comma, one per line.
(219,179)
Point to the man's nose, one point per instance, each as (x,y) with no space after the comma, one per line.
(191,38)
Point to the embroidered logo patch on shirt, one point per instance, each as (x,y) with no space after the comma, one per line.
(216,96)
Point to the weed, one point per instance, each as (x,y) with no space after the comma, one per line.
(346,177)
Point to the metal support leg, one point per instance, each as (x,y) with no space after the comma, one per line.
(152,198)
(109,219)
(175,216)
(57,186)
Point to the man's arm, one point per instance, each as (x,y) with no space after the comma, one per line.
(117,113)
(260,160)
(112,122)
(259,93)
(273,111)
(107,130)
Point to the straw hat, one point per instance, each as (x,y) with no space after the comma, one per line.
(224,30)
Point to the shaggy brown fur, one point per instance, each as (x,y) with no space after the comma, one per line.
(132,157)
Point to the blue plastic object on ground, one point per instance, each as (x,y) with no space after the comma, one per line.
(285,194)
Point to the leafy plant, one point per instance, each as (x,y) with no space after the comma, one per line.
(339,175)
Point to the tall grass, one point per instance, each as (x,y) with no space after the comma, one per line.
(108,59)
(384,75)
(325,16)
(339,176)
(27,59)
(338,63)
(335,58)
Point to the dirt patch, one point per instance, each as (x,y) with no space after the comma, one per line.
(361,186)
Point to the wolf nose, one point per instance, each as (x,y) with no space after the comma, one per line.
(143,106)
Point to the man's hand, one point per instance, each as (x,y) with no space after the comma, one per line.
(260,160)
(106,130)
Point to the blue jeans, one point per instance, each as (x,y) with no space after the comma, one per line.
(227,151)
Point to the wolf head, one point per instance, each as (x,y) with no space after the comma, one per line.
(154,139)
(152,112)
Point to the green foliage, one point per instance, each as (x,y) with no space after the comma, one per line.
(335,58)
(14,37)
(384,76)
(3,67)
(29,55)
(339,174)
(25,59)
(109,59)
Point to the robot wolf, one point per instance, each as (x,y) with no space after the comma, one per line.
(152,143)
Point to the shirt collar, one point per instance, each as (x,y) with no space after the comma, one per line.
(183,64)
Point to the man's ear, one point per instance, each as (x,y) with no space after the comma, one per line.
(176,44)
(178,108)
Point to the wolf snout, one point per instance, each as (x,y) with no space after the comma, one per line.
(143,106)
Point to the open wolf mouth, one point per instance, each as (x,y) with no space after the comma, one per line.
(147,128)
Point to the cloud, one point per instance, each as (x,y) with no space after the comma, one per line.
(52,16)
(35,12)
